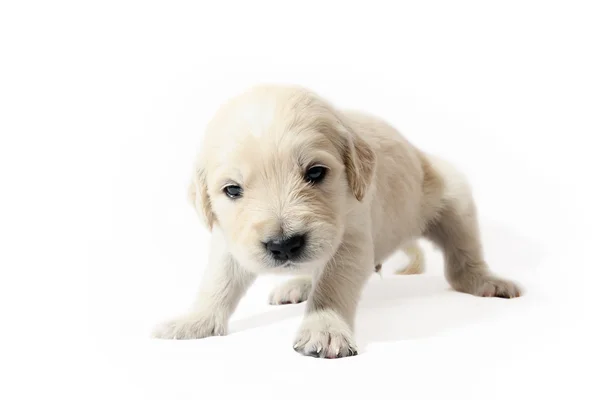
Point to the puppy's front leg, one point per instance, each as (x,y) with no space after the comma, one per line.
(327,328)
(222,287)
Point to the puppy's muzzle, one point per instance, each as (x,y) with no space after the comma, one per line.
(288,249)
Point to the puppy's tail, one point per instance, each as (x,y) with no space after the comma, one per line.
(416,264)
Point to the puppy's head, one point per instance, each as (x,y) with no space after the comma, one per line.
(278,172)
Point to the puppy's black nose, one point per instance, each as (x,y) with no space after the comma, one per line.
(286,249)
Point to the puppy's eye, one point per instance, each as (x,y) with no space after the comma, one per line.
(315,174)
(233,191)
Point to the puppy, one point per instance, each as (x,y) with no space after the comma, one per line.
(287,183)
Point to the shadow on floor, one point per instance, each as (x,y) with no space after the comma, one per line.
(418,306)
(399,308)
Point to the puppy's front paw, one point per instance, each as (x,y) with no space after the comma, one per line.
(191,327)
(324,334)
(293,291)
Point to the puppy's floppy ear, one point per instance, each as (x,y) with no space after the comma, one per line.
(198,197)
(359,160)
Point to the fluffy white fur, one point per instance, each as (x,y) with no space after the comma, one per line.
(380,194)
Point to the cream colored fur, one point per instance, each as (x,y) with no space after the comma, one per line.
(379,196)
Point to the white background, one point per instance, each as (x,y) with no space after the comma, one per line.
(102,105)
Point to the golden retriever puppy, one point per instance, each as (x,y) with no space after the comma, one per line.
(287,183)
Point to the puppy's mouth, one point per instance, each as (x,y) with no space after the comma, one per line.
(290,265)
(286,264)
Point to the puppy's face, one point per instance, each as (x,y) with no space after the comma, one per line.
(278,174)
(280,199)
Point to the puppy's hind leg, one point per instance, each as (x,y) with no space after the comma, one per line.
(416,264)
(293,291)
(456,230)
